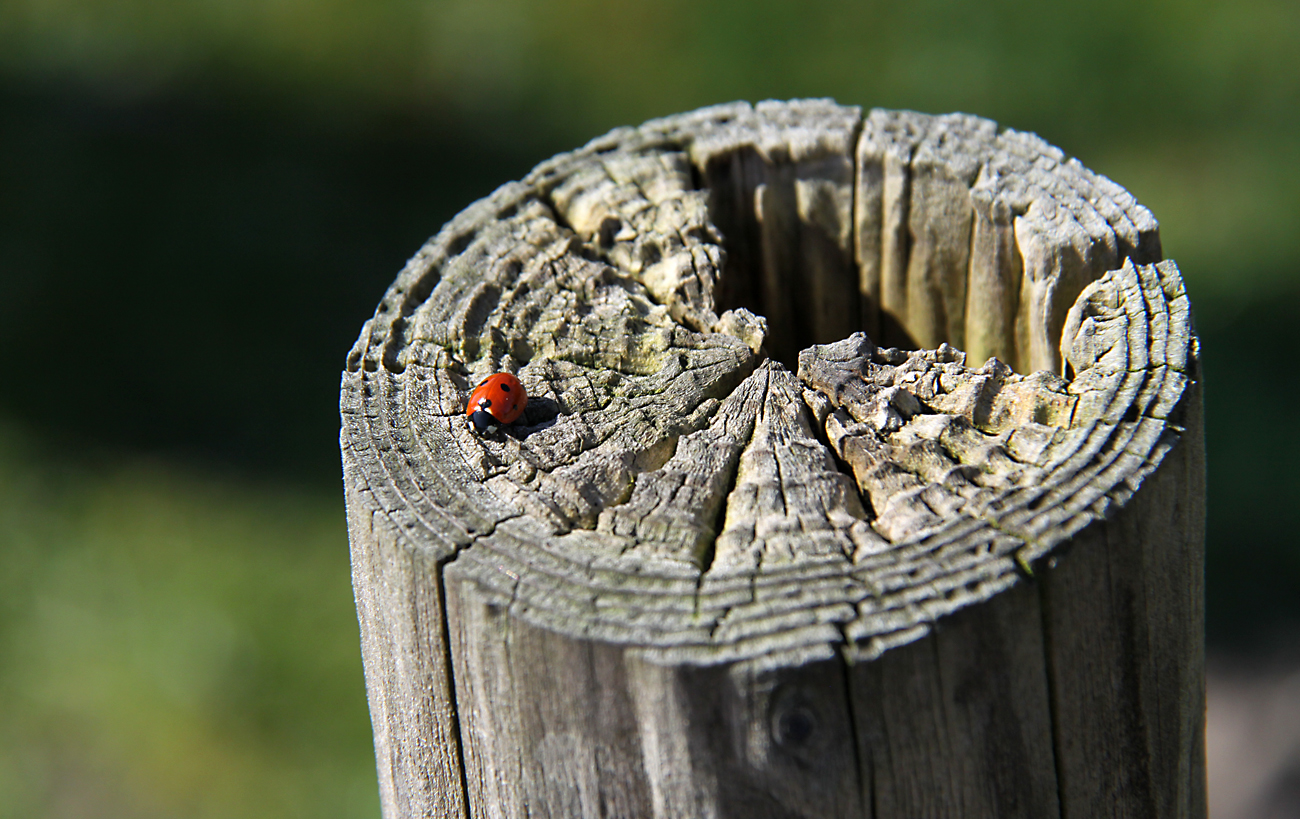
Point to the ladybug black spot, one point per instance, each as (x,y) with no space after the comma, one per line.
(505,387)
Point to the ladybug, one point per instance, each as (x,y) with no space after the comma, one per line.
(499,400)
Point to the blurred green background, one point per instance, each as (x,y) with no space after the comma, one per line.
(202,200)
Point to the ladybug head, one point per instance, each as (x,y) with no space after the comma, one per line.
(483,422)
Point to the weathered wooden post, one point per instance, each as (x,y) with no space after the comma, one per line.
(740,559)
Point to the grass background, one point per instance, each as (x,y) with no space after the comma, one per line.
(202,200)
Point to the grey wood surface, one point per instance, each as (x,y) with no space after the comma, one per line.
(861,476)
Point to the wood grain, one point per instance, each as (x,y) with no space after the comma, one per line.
(741,558)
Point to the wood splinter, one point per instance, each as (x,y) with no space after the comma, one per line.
(740,558)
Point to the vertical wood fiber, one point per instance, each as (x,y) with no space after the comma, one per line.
(1124,612)
(959,723)
(408,679)
(993,289)
(548,723)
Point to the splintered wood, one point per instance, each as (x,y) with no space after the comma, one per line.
(861,475)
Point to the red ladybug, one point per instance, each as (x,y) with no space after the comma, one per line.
(496,402)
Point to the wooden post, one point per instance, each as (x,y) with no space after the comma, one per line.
(739,559)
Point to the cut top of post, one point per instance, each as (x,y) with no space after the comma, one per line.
(801,380)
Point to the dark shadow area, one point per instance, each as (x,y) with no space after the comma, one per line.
(1252,572)
(781,264)
(540,413)
(185,275)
